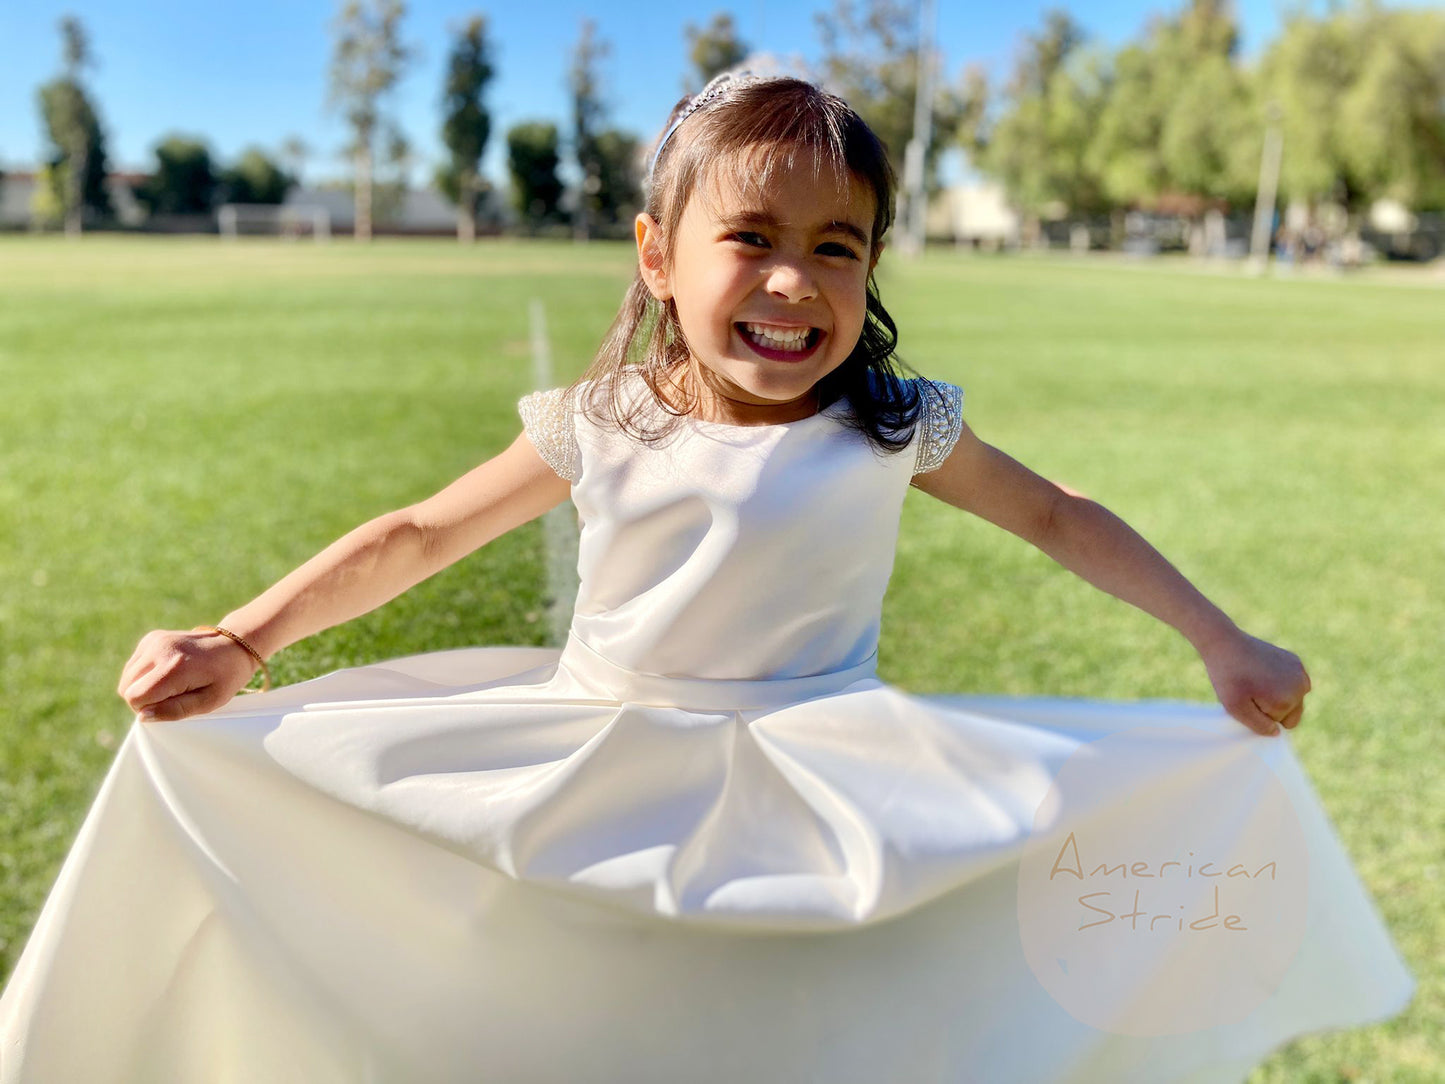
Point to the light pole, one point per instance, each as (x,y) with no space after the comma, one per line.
(915,217)
(1269,161)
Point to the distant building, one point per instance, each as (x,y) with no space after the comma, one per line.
(422,211)
(17,192)
(975,214)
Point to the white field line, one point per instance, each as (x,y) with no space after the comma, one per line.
(559,526)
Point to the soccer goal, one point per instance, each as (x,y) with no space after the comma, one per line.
(286,220)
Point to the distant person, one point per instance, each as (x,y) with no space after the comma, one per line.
(703,842)
(1288,246)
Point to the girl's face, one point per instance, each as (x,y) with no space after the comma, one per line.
(772,291)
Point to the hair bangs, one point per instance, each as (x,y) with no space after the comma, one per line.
(752,171)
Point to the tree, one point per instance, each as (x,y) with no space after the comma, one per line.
(619,184)
(294,153)
(467,123)
(47,201)
(255,178)
(77,159)
(1306,71)
(1179,125)
(367,61)
(393,180)
(1359,92)
(1210,139)
(712,50)
(588,113)
(1052,102)
(532,160)
(871,61)
(1045,53)
(1125,149)
(973,99)
(1393,113)
(184,181)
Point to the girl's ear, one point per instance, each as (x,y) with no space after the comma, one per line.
(649,257)
(873,260)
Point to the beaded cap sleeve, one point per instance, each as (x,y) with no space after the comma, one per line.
(939,423)
(547,421)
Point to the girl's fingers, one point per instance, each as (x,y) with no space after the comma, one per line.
(161,683)
(142,648)
(144,684)
(142,661)
(135,685)
(180,706)
(129,672)
(1290,721)
(1254,717)
(132,673)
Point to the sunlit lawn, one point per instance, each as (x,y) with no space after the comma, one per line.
(183,421)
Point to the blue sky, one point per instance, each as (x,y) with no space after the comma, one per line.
(256,73)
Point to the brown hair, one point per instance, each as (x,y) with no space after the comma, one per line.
(753,129)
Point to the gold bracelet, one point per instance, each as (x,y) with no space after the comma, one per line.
(265,673)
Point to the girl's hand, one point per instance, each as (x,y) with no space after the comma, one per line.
(176,674)
(1261,685)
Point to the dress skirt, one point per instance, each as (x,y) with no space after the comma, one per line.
(525,865)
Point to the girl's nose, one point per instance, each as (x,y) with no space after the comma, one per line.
(788,279)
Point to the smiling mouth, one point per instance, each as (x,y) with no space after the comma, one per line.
(791,344)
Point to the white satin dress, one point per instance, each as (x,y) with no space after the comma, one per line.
(702,842)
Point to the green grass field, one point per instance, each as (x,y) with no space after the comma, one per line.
(184,421)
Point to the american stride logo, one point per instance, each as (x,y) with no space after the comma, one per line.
(1164,886)
(1068,863)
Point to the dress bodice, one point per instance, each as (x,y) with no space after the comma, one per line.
(735,552)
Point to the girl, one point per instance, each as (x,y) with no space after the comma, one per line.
(618,862)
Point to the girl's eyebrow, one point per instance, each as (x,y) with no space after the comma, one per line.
(762,218)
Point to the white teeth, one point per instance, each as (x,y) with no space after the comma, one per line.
(792,337)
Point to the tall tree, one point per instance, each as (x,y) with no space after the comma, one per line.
(619,184)
(1052,102)
(466,124)
(184,181)
(294,153)
(532,160)
(367,61)
(77,159)
(392,180)
(1212,133)
(1125,149)
(1045,53)
(1307,70)
(254,178)
(47,201)
(1178,127)
(973,100)
(1211,139)
(712,49)
(870,58)
(1393,114)
(588,115)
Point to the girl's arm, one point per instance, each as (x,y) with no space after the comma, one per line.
(1259,684)
(174,674)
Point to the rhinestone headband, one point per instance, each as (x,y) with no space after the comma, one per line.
(715,89)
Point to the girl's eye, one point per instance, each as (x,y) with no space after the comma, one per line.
(827,248)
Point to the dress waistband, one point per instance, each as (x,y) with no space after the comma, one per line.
(601,676)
